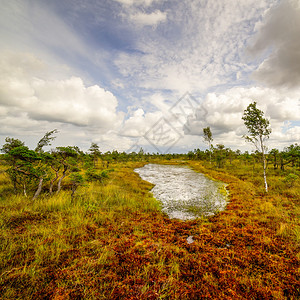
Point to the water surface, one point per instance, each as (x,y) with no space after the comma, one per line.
(184,193)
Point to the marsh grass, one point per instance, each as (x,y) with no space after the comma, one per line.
(112,242)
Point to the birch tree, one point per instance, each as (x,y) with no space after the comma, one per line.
(259,131)
(208,139)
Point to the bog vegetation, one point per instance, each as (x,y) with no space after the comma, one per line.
(78,225)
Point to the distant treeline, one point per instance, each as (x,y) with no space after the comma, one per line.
(35,171)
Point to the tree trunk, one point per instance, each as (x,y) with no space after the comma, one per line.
(15,187)
(61,179)
(275,163)
(209,153)
(281,164)
(53,180)
(264,163)
(74,187)
(95,161)
(24,190)
(265,175)
(38,191)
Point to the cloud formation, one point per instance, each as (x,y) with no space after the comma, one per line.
(223,114)
(201,45)
(144,3)
(151,19)
(139,123)
(279,36)
(66,101)
(88,60)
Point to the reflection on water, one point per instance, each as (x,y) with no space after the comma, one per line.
(184,193)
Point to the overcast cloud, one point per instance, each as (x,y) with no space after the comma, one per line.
(279,35)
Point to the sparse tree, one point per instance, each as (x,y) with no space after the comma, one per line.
(63,156)
(230,154)
(290,155)
(208,139)
(26,167)
(259,132)
(219,155)
(10,144)
(95,153)
(293,152)
(46,140)
(76,179)
(274,154)
(141,153)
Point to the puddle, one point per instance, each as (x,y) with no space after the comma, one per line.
(184,193)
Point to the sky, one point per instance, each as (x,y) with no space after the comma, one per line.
(127,74)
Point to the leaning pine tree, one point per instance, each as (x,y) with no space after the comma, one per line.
(259,132)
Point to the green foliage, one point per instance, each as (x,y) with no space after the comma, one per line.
(10,144)
(30,169)
(23,153)
(94,149)
(208,138)
(259,131)
(95,175)
(95,152)
(65,152)
(292,154)
(76,178)
(207,135)
(290,179)
(46,140)
(73,163)
(257,125)
(219,154)
(25,168)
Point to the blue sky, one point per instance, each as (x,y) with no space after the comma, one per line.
(148,73)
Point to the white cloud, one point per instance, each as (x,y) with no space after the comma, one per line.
(223,113)
(201,46)
(158,100)
(137,2)
(279,35)
(157,51)
(139,123)
(151,19)
(26,96)
(285,109)
(138,13)
(69,101)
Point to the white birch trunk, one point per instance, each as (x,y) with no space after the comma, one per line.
(264,163)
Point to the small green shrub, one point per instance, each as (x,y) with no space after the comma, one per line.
(290,179)
(94,175)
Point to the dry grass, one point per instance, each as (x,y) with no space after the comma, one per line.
(112,242)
